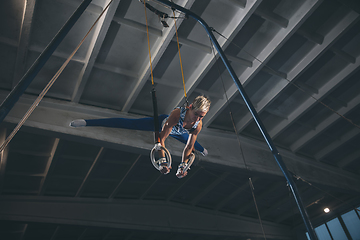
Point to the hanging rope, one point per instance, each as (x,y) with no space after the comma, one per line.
(148,40)
(294,84)
(256,206)
(162,16)
(49,85)
(239,142)
(158,147)
(181,65)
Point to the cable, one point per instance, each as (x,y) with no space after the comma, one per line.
(319,101)
(240,145)
(350,121)
(48,86)
(256,206)
(310,184)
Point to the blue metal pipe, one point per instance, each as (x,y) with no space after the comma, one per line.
(29,76)
(252,110)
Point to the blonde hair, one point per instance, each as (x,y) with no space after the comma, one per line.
(201,103)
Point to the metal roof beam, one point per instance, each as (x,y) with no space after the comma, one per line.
(324,124)
(264,55)
(208,61)
(135,215)
(97,40)
(158,49)
(303,63)
(24,40)
(54,116)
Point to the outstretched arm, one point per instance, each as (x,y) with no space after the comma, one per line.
(169,124)
(189,147)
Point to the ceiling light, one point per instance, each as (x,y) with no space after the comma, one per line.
(326,210)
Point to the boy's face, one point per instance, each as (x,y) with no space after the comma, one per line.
(196,115)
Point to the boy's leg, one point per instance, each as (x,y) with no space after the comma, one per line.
(144,124)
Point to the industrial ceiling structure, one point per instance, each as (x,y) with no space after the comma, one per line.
(298,61)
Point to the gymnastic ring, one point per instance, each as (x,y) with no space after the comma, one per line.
(189,162)
(154,162)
